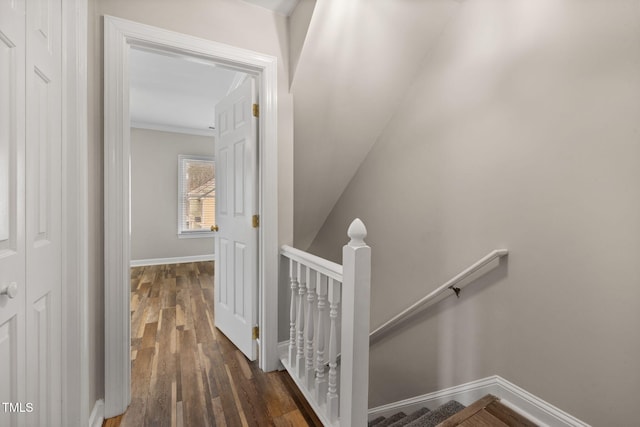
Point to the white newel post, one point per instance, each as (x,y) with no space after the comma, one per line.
(356,291)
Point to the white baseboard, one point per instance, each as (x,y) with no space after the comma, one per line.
(97,414)
(535,409)
(174,260)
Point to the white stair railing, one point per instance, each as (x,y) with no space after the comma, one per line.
(328,316)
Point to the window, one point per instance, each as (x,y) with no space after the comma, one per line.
(196,196)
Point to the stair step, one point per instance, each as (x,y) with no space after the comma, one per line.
(375,421)
(391,420)
(438,415)
(488,411)
(411,417)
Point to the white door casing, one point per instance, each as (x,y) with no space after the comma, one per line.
(30,211)
(235,281)
(120,35)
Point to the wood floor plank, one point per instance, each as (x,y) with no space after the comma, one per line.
(138,319)
(218,412)
(134,417)
(508,415)
(153,308)
(483,419)
(183,300)
(185,373)
(291,419)
(207,360)
(163,375)
(203,327)
(251,401)
(236,398)
(468,412)
(149,335)
(192,391)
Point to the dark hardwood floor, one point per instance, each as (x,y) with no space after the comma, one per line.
(185,372)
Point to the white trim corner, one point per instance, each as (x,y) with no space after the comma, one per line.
(97,414)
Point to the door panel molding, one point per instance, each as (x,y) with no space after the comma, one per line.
(119,36)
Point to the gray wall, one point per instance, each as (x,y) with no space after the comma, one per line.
(520,131)
(154,194)
(227,21)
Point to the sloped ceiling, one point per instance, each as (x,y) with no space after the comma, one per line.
(358,60)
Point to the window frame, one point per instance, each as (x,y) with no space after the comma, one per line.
(182,161)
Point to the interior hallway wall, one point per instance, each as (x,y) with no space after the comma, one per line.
(227,21)
(521,131)
(154,194)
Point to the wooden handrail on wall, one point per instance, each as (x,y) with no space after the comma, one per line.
(446,290)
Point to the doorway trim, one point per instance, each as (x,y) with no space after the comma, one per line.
(119,36)
(75,259)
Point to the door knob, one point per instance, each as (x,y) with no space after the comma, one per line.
(10,290)
(214,228)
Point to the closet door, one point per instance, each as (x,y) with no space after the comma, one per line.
(30,212)
(12,211)
(43,209)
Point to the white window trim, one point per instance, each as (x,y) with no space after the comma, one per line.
(189,234)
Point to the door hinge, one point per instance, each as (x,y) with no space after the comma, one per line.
(255,333)
(256,110)
(255,221)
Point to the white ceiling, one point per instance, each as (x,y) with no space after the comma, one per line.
(176,93)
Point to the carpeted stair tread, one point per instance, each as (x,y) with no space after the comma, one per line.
(392,419)
(375,421)
(438,415)
(409,418)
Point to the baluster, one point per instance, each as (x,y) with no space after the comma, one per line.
(332,393)
(321,379)
(309,325)
(302,290)
(292,311)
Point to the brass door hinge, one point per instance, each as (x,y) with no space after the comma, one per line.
(256,110)
(255,333)
(255,221)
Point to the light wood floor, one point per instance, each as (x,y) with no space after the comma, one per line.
(185,372)
(487,412)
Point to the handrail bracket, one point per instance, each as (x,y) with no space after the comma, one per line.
(456,290)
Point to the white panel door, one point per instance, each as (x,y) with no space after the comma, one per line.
(12,210)
(30,212)
(236,277)
(44,219)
